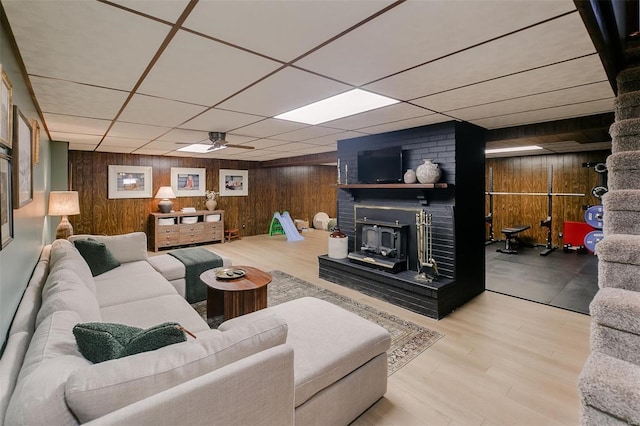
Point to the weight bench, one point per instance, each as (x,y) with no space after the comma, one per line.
(512,239)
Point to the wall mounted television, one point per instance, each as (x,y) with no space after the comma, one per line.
(381,165)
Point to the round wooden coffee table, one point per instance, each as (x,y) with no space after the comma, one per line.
(235,296)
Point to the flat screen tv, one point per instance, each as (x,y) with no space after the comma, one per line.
(380,165)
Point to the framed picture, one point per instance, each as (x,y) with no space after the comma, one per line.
(6,209)
(234,182)
(35,141)
(5,110)
(130,182)
(187,182)
(22,165)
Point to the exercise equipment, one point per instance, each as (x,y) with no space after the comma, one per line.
(601,188)
(548,221)
(511,238)
(594,216)
(489,218)
(593,238)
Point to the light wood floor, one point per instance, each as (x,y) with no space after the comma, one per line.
(503,361)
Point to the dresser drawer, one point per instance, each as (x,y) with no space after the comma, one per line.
(166,230)
(187,229)
(191,238)
(166,241)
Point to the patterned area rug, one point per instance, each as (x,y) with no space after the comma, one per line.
(408,340)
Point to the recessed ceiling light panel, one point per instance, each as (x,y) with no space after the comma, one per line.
(196,147)
(343,105)
(512,149)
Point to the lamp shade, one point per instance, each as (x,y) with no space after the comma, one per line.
(63,203)
(165,192)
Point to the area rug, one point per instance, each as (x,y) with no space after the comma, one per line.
(408,340)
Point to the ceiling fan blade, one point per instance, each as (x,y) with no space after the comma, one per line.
(239,146)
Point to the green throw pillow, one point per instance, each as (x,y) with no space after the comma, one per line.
(97,255)
(102,341)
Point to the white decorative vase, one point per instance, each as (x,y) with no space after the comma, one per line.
(211,205)
(410,176)
(429,172)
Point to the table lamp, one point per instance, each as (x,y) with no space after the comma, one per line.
(165,192)
(64,203)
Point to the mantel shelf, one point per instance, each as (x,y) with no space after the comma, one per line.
(395,186)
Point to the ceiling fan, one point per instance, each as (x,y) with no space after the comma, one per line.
(216,141)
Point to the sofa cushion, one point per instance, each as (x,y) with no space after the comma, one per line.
(102,341)
(65,291)
(97,255)
(126,247)
(96,390)
(130,282)
(329,342)
(155,310)
(64,255)
(38,398)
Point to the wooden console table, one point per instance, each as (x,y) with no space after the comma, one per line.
(179,234)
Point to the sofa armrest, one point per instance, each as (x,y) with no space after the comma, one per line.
(255,390)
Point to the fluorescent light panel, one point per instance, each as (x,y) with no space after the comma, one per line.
(513,149)
(339,106)
(199,148)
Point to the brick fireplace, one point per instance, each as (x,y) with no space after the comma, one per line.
(456,208)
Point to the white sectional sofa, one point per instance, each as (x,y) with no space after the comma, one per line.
(302,362)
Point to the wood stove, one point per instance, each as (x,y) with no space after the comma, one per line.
(381,245)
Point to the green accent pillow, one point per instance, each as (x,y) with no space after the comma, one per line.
(102,341)
(97,255)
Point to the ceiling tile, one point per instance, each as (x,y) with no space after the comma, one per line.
(285,90)
(558,76)
(64,39)
(549,114)
(165,112)
(518,52)
(269,127)
(590,92)
(162,145)
(332,139)
(125,142)
(219,120)
(406,124)
(62,97)
(76,139)
(307,133)
(286,29)
(266,143)
(378,116)
(114,149)
(418,31)
(201,71)
(136,131)
(186,136)
(166,10)
(72,124)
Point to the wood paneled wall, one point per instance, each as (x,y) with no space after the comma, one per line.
(302,190)
(530,174)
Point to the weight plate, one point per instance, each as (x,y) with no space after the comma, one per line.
(599,191)
(593,238)
(593,216)
(600,168)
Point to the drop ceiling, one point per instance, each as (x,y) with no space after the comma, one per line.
(146,77)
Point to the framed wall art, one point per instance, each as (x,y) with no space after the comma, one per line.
(130,182)
(6,209)
(234,183)
(187,182)
(5,110)
(22,165)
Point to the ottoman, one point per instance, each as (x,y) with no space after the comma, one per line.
(174,271)
(340,359)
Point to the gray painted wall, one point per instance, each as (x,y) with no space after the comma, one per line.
(31,232)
